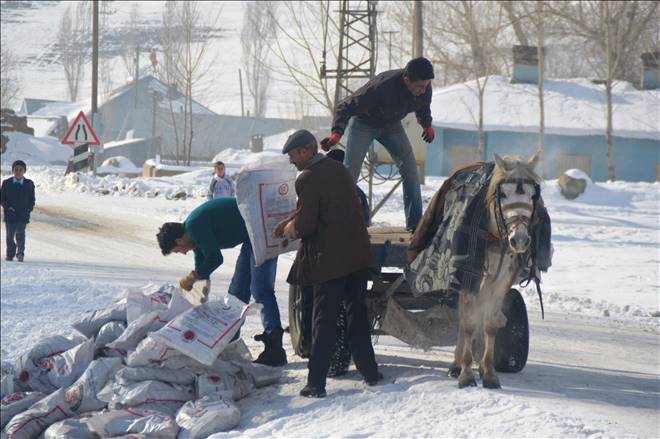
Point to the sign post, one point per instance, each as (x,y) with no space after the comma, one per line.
(81,135)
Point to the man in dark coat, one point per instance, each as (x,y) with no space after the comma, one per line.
(17,203)
(375,112)
(334,256)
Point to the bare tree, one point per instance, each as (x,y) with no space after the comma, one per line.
(258,29)
(72,40)
(614,33)
(130,43)
(9,83)
(464,40)
(184,40)
(306,35)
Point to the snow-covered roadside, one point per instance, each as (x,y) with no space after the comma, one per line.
(587,375)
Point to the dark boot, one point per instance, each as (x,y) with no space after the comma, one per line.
(273,354)
(310,391)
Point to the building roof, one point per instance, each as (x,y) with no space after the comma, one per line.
(572,107)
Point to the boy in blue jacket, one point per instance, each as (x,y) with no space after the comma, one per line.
(17,195)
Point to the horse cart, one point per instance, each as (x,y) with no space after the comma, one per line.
(422,321)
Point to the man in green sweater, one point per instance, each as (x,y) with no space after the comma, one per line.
(215,225)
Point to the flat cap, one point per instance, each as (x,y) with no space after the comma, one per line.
(298,139)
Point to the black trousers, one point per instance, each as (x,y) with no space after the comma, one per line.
(327,296)
(15,230)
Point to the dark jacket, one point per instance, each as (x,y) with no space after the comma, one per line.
(334,239)
(20,197)
(214,225)
(383,101)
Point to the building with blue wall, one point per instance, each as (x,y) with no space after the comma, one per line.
(575,124)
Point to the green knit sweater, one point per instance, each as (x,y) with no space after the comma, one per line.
(215,225)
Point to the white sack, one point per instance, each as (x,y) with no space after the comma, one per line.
(201,418)
(92,321)
(260,374)
(82,394)
(145,299)
(120,395)
(138,329)
(230,385)
(28,375)
(16,403)
(129,375)
(67,367)
(108,333)
(71,428)
(7,380)
(31,423)
(136,420)
(266,195)
(203,331)
(150,351)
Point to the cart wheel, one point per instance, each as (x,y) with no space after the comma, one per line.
(512,341)
(300,321)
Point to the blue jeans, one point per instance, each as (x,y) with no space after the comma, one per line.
(17,231)
(258,282)
(395,140)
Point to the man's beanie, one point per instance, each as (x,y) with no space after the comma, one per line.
(20,163)
(298,139)
(419,69)
(336,154)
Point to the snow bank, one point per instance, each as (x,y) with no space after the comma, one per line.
(34,150)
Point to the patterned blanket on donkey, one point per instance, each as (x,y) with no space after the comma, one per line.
(455,257)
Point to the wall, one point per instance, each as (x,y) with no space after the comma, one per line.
(634,159)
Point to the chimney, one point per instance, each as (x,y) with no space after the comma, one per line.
(650,72)
(525,65)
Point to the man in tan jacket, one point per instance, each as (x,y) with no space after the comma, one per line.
(334,256)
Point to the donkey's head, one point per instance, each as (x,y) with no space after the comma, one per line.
(513,192)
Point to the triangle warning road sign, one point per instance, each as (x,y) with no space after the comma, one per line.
(80,131)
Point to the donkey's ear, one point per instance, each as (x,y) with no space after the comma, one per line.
(534,159)
(499,161)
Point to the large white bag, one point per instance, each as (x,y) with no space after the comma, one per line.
(203,331)
(67,367)
(210,414)
(129,375)
(136,420)
(120,395)
(81,396)
(149,351)
(16,403)
(147,298)
(108,333)
(71,428)
(31,423)
(265,193)
(92,321)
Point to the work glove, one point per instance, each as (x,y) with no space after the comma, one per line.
(428,134)
(331,141)
(199,293)
(186,282)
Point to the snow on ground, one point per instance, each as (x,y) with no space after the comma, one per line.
(588,374)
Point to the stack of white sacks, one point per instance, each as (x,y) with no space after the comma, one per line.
(151,365)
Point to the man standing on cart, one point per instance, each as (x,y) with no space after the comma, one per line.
(375,112)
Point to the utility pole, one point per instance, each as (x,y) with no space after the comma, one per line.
(240,81)
(389,45)
(418,31)
(95,69)
(137,73)
(95,56)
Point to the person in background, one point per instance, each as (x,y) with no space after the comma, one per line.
(216,225)
(221,185)
(334,256)
(17,194)
(375,112)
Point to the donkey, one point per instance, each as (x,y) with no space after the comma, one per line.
(511,197)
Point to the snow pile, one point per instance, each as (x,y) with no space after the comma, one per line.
(572,107)
(34,151)
(118,165)
(79,384)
